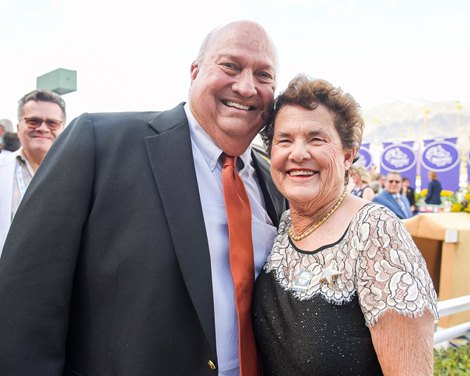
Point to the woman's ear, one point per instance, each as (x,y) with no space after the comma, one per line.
(349,158)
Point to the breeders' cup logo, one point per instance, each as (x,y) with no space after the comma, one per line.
(398,157)
(440,156)
(365,158)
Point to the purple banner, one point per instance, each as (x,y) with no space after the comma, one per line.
(443,157)
(365,157)
(399,157)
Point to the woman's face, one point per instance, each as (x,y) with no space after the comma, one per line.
(308,162)
(356,178)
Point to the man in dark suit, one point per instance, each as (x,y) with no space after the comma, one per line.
(117,260)
(392,198)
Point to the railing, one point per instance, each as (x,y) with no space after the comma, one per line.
(449,307)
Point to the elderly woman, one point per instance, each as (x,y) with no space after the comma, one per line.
(344,291)
(360,178)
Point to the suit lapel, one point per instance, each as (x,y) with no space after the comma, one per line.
(172,164)
(396,205)
(274,201)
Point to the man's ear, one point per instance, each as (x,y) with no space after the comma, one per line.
(194,71)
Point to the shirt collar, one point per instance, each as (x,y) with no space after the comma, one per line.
(209,150)
(21,158)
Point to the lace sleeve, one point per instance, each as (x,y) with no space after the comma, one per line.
(391,272)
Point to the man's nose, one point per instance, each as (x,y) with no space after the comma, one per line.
(42,127)
(245,84)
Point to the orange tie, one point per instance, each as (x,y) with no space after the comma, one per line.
(238,210)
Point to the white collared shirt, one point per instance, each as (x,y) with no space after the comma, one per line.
(209,177)
(23,175)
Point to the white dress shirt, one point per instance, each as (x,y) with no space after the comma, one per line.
(207,163)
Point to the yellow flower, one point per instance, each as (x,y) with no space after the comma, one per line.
(445,193)
(456,207)
(467,197)
(423,192)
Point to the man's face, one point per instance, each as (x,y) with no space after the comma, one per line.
(233,86)
(40,124)
(393,183)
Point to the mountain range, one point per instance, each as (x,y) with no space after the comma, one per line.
(417,120)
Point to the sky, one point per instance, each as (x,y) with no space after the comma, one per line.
(136,55)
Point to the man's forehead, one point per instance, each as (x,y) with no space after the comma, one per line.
(41,109)
(233,36)
(43,105)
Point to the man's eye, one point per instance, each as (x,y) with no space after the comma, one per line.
(53,124)
(230,66)
(265,75)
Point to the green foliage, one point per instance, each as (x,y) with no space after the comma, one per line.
(452,361)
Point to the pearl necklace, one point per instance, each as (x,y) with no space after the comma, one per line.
(313,228)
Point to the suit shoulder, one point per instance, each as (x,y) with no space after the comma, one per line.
(102,119)
(159,120)
(379,198)
(261,157)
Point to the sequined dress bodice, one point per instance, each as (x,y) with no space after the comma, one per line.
(312,310)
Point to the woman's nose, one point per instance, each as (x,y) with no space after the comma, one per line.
(299,151)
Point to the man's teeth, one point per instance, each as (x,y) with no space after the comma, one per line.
(302,172)
(237,105)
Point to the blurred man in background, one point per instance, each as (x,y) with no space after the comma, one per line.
(41,118)
(392,198)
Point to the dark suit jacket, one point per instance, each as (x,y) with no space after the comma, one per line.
(410,195)
(433,196)
(106,269)
(386,199)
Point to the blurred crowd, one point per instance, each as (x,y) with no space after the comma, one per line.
(392,190)
(8,137)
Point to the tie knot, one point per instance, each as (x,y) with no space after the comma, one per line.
(228,161)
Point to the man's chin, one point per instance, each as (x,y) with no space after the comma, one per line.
(40,146)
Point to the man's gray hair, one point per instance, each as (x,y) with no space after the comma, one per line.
(41,96)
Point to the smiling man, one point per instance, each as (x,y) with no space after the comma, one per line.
(123,236)
(41,118)
(392,198)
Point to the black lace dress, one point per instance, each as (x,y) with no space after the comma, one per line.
(312,310)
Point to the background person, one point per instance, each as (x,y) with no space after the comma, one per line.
(392,198)
(41,118)
(433,195)
(5,127)
(361,179)
(409,193)
(11,142)
(123,235)
(344,290)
